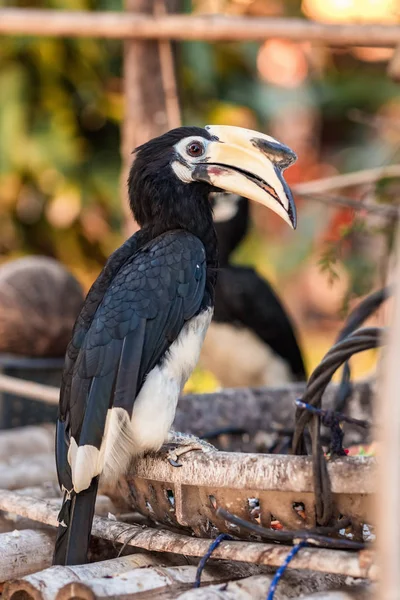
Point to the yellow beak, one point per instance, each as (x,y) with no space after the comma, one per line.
(250,164)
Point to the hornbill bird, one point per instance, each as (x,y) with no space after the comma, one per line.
(139,334)
(251,340)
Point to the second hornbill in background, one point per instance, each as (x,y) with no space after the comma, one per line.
(141,328)
(251,340)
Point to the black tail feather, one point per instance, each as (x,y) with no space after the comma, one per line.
(73,535)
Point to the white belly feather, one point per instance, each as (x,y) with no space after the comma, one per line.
(152,416)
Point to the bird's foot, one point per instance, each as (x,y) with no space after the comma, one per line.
(184,443)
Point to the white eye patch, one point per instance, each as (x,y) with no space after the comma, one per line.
(183,172)
(182,165)
(182,148)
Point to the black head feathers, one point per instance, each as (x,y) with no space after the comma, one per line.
(154,190)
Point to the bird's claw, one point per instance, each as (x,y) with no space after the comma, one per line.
(187,445)
(173,459)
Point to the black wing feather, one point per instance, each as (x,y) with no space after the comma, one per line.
(85,318)
(147,300)
(129,367)
(242,296)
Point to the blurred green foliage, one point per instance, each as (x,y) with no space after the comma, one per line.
(60,112)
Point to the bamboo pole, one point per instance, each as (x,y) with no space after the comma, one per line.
(212,28)
(339,562)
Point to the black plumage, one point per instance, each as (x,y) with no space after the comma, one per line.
(140,330)
(245,300)
(150,287)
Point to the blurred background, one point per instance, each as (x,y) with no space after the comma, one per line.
(61,109)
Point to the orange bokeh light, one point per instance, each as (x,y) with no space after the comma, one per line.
(373,54)
(342,11)
(282,63)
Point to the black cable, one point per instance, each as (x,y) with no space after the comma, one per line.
(313,536)
(356,318)
(360,340)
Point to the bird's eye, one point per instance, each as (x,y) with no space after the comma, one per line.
(195,149)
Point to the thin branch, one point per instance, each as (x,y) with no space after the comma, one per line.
(14,21)
(373,121)
(313,190)
(338,182)
(160,540)
(386,210)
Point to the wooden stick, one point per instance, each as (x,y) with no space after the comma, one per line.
(338,182)
(29,389)
(14,21)
(348,593)
(9,522)
(104,506)
(340,562)
(385,210)
(26,441)
(140,572)
(319,188)
(270,472)
(292,585)
(46,584)
(161,579)
(257,471)
(25,551)
(47,491)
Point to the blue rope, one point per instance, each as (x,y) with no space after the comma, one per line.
(204,559)
(282,569)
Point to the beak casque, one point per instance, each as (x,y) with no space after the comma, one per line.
(250,164)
